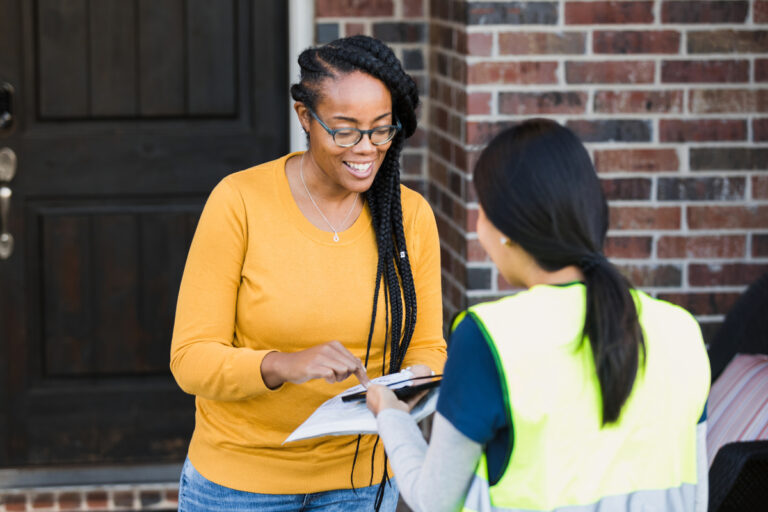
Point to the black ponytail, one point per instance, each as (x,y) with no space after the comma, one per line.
(393,268)
(536,184)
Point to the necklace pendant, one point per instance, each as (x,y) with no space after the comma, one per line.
(335,236)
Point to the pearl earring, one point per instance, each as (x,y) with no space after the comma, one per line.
(504,240)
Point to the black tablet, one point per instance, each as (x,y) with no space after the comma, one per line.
(405,392)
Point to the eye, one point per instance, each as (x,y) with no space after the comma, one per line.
(346,136)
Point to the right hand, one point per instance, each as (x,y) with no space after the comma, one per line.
(330,361)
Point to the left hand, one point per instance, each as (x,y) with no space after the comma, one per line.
(380,397)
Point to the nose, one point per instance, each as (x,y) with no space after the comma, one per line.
(364,145)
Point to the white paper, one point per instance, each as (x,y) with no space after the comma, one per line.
(337,418)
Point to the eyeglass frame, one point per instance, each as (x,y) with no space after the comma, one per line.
(332,132)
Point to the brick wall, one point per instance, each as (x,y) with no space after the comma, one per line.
(94,498)
(671,98)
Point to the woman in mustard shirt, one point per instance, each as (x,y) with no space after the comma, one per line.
(303,272)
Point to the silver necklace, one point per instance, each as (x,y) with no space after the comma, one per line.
(343,222)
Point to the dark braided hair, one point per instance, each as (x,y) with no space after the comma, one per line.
(371,56)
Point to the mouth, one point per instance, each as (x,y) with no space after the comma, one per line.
(360,169)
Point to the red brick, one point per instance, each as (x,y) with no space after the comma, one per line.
(413,8)
(711,71)
(704,11)
(354,29)
(703,303)
(628,247)
(589,13)
(412,164)
(460,41)
(759,246)
(702,130)
(646,160)
(14,502)
(668,102)
(760,187)
(471,224)
(479,103)
(728,217)
(475,251)
(636,41)
(479,44)
(513,73)
(761,70)
(656,276)
(644,217)
(725,274)
(554,102)
(353,8)
(725,246)
(728,158)
(727,41)
(70,501)
(172,495)
(616,72)
(97,500)
(442,37)
(626,188)
(607,130)
(760,13)
(713,101)
(482,132)
(42,501)
(542,43)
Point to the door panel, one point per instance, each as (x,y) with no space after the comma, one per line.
(127,114)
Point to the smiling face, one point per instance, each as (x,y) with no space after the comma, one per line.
(354,100)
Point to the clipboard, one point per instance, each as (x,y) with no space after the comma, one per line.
(403,392)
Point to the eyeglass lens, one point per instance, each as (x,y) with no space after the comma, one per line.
(378,136)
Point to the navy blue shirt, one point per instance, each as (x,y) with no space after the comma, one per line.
(471,395)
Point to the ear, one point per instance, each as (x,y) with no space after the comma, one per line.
(303,114)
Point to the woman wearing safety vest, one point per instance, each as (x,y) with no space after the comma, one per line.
(577,394)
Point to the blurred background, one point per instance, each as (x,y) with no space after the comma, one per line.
(117,118)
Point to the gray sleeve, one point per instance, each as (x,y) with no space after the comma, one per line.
(702,469)
(434,476)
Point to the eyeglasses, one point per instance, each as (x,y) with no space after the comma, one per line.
(348,137)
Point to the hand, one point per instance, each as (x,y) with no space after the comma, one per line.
(379,397)
(330,361)
(418,370)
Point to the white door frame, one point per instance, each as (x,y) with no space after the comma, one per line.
(301,34)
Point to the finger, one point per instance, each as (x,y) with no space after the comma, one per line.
(373,398)
(341,352)
(362,376)
(341,367)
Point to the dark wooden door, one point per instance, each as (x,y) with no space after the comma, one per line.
(125,114)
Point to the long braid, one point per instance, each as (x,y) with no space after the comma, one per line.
(362,53)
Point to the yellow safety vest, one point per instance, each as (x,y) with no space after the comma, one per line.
(562,457)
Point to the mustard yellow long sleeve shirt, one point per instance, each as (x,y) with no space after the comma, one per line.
(260,277)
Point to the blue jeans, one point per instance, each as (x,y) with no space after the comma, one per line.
(198,494)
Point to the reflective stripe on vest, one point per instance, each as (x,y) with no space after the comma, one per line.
(563,458)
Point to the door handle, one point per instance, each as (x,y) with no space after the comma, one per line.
(7,172)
